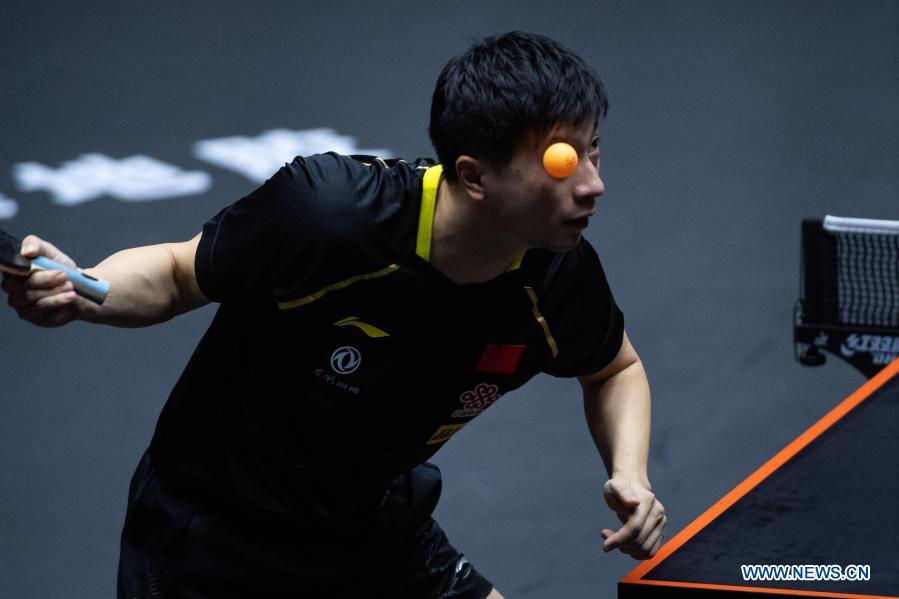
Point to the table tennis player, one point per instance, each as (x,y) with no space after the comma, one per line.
(368,310)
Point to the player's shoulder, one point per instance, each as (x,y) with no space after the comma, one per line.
(395,166)
(355,171)
(353,194)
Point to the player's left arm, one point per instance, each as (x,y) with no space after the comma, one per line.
(617,408)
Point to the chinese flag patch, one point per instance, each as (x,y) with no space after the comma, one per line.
(499,358)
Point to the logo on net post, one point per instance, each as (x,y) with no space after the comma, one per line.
(346,360)
(883,348)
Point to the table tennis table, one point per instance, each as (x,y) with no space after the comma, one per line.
(830,499)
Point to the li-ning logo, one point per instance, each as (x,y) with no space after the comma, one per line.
(368,329)
(477,400)
(346,360)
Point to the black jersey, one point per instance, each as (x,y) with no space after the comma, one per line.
(340,353)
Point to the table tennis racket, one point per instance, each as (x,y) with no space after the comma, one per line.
(14,263)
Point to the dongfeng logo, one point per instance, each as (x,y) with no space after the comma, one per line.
(345,360)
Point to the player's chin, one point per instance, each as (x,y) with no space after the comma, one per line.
(564,243)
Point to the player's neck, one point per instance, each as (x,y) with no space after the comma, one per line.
(465,246)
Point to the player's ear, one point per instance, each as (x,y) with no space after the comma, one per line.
(470,173)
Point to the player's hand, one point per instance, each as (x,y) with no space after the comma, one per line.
(45,297)
(642,515)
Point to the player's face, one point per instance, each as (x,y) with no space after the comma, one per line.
(538,210)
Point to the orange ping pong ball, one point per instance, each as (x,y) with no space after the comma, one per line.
(560,160)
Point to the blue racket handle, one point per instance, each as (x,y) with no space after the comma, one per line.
(85,285)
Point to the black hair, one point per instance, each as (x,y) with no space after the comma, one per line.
(504,88)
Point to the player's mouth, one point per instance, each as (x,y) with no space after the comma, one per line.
(578,223)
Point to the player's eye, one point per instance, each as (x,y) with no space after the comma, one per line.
(594,149)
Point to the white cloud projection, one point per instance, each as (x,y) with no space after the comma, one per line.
(258,158)
(8,207)
(134,179)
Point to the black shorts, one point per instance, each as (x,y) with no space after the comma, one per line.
(173,548)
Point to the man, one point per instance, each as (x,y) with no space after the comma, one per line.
(369,310)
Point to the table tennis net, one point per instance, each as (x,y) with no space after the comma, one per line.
(852,265)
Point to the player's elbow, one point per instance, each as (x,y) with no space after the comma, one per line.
(185,293)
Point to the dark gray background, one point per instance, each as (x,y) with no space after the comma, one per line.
(730,121)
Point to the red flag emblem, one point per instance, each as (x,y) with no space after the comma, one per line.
(499,358)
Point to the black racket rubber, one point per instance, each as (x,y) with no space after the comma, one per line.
(11,260)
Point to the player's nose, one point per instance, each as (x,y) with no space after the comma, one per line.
(591,185)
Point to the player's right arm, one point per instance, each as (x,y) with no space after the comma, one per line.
(147,285)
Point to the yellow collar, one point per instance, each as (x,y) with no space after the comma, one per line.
(430,185)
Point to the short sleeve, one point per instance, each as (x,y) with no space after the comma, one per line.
(274,236)
(586,322)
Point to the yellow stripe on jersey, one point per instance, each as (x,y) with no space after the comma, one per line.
(369,329)
(429,187)
(542,321)
(516,264)
(346,283)
(443,433)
